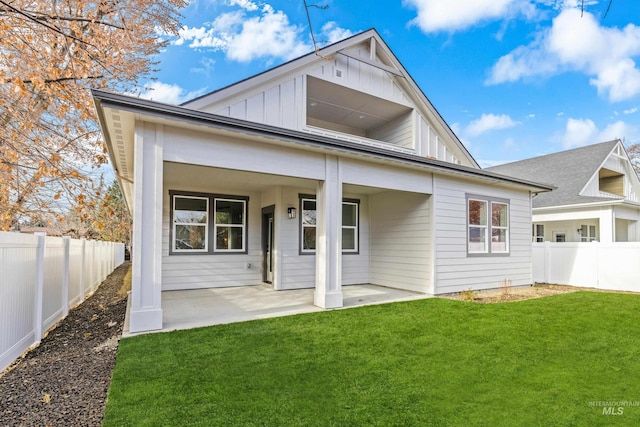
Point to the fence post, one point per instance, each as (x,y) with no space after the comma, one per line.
(597,263)
(83,274)
(66,244)
(92,264)
(39,287)
(547,262)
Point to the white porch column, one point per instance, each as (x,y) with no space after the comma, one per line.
(146,281)
(607,227)
(328,292)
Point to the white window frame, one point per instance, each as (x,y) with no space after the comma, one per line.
(589,237)
(536,237)
(243,226)
(175,224)
(487,227)
(356,228)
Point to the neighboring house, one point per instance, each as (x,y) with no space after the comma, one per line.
(329,170)
(597,196)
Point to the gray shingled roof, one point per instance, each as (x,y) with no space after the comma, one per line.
(569,171)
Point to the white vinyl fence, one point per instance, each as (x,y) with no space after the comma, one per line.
(613,266)
(41,278)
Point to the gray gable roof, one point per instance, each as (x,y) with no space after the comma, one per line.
(569,171)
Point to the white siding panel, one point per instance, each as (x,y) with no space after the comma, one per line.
(454,270)
(186,146)
(255,108)
(218,270)
(298,271)
(398,132)
(239,110)
(355,267)
(400,240)
(388,177)
(272,106)
(289,104)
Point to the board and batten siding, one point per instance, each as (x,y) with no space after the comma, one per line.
(455,271)
(200,271)
(400,227)
(275,104)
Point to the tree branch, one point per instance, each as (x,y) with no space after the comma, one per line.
(44,24)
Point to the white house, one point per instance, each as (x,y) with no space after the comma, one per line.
(329,170)
(597,195)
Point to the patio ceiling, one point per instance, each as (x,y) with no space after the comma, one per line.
(187,176)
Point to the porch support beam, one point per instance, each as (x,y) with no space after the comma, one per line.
(328,292)
(146,282)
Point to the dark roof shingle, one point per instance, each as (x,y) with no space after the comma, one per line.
(569,171)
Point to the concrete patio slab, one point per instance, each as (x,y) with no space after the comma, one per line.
(205,307)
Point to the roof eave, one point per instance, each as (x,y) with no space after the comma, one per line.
(105,99)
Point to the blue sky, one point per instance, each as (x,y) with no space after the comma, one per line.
(513,78)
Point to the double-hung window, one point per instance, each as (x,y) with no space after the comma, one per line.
(350,224)
(207,223)
(487,226)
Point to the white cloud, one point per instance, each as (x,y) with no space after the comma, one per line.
(248,34)
(581,132)
(269,35)
(332,33)
(245,4)
(577,42)
(488,122)
(168,93)
(455,15)
(631,110)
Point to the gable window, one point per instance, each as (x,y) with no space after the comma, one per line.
(350,224)
(588,233)
(538,232)
(487,226)
(207,223)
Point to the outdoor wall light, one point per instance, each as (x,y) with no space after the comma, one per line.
(291,212)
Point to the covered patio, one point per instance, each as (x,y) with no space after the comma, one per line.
(186,309)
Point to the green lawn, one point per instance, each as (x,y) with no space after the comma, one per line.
(548,361)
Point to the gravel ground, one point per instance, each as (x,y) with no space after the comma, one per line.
(64,381)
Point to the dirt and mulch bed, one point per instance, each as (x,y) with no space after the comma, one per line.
(507,293)
(64,380)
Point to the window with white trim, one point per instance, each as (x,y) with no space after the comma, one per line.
(207,223)
(350,225)
(537,231)
(487,226)
(588,233)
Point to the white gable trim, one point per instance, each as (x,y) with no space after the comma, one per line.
(388,62)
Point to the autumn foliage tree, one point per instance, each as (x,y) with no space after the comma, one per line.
(51,53)
(633,151)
